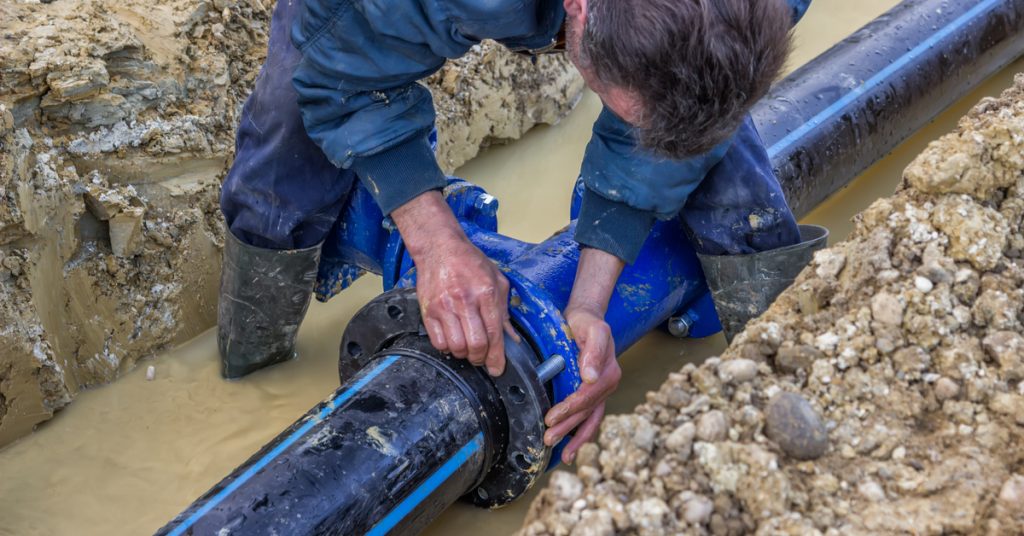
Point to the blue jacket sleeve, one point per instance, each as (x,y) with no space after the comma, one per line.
(357,81)
(799,8)
(628,187)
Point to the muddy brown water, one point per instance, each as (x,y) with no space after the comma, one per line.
(124,459)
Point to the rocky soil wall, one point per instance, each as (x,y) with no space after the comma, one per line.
(881,394)
(116,124)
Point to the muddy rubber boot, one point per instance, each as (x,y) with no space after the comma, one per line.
(744,286)
(264,294)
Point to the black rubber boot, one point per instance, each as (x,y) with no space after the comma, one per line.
(264,294)
(744,286)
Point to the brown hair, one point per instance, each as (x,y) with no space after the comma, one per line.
(697,65)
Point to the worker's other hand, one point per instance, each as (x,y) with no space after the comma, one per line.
(595,282)
(601,374)
(463,296)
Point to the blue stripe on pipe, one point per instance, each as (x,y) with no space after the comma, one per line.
(876,80)
(332,405)
(427,487)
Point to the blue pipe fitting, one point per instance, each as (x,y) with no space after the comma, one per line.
(665,280)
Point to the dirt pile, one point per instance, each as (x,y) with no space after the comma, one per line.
(116,125)
(882,393)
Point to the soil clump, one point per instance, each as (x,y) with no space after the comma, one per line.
(881,394)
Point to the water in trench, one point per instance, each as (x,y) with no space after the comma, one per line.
(124,459)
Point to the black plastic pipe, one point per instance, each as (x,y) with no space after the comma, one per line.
(387,453)
(846,109)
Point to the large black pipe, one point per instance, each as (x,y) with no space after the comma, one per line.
(412,431)
(391,449)
(835,116)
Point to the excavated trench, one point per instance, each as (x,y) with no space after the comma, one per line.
(123,459)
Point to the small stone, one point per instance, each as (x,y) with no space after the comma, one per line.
(1009,404)
(588,455)
(794,425)
(697,510)
(567,486)
(946,389)
(150,373)
(923,284)
(1012,494)
(796,358)
(737,371)
(594,523)
(86,78)
(126,232)
(681,439)
(899,453)
(887,309)
(1007,348)
(648,515)
(830,262)
(712,426)
(102,202)
(871,490)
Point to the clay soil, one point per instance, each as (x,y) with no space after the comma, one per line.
(904,347)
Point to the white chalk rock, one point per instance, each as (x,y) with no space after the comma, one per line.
(712,426)
(737,371)
(697,510)
(1012,494)
(680,440)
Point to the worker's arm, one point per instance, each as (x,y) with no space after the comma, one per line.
(626,191)
(362,105)
(595,281)
(627,188)
(357,81)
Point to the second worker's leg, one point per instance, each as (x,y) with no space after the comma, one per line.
(280,200)
(746,237)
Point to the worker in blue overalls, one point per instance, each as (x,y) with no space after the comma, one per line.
(338,101)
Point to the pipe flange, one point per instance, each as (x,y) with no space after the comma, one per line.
(525,457)
(395,314)
(377,325)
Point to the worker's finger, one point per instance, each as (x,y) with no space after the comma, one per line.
(493,315)
(555,433)
(588,396)
(584,434)
(436,334)
(594,352)
(476,334)
(453,335)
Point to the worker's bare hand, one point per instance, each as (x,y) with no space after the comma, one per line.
(463,296)
(601,374)
(464,300)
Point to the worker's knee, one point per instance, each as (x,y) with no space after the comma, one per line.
(740,208)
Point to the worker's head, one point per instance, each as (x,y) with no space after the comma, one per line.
(684,72)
